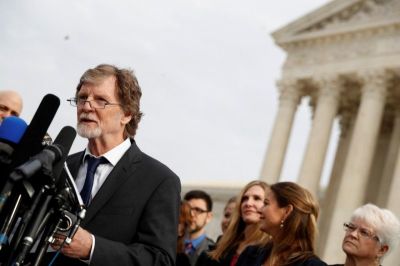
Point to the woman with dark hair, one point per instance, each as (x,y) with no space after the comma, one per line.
(243,229)
(289,216)
(370,235)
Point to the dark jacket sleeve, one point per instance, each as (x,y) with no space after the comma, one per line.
(251,256)
(156,237)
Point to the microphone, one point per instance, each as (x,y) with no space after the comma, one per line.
(55,155)
(64,139)
(43,160)
(31,141)
(11,130)
(30,144)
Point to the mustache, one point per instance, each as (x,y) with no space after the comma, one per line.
(87,116)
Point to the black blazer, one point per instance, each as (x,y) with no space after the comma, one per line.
(255,256)
(205,260)
(134,215)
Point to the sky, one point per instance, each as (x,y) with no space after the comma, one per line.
(207,70)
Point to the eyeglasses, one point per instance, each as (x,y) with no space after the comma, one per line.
(364,233)
(197,211)
(96,104)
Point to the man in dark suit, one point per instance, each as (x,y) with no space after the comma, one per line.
(133,200)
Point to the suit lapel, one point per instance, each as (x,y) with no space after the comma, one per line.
(121,172)
(74,162)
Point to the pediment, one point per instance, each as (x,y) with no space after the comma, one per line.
(341,16)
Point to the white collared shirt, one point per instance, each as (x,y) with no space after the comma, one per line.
(101,174)
(103,170)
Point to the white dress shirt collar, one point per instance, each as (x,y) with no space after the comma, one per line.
(113,155)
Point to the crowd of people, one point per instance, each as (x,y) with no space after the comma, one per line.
(135,214)
(277,225)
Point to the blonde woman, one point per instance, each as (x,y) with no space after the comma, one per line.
(243,229)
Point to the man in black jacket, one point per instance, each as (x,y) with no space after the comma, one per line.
(133,200)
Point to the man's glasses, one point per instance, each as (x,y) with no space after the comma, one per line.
(96,104)
(362,232)
(197,211)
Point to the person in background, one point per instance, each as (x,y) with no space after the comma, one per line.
(201,210)
(10,104)
(185,218)
(229,208)
(132,200)
(369,236)
(289,216)
(227,214)
(243,229)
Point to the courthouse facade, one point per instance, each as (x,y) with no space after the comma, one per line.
(344,57)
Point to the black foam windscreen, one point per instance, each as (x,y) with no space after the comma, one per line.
(65,139)
(31,142)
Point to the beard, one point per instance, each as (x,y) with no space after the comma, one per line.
(194,228)
(87,132)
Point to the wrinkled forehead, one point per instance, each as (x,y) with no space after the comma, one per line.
(95,80)
(360,222)
(104,86)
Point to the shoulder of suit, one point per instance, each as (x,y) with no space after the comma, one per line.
(155,164)
(75,156)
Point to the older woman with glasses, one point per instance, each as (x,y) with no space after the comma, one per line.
(370,235)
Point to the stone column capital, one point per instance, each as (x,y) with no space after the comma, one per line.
(374,83)
(289,90)
(329,86)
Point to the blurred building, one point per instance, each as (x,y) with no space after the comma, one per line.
(345,57)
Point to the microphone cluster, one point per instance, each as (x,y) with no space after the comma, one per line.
(37,201)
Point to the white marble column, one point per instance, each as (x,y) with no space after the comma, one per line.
(390,166)
(393,205)
(351,192)
(326,110)
(288,102)
(381,158)
(328,201)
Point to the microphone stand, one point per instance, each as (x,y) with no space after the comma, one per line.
(19,233)
(51,228)
(8,223)
(33,231)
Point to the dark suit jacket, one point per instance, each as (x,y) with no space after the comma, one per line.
(134,215)
(255,256)
(205,260)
